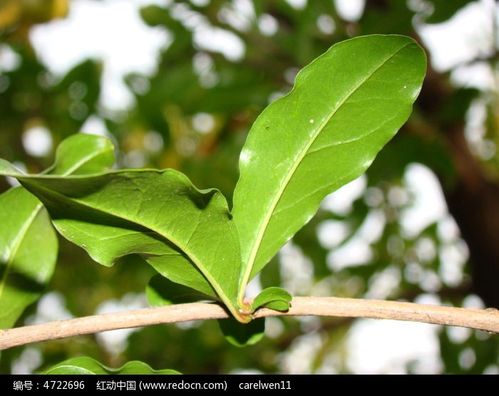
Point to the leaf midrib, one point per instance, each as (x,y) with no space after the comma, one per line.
(266,219)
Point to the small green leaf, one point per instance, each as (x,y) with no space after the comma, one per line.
(87,365)
(184,233)
(345,106)
(162,291)
(83,154)
(278,305)
(28,244)
(273,298)
(242,334)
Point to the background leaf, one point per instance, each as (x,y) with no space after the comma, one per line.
(28,244)
(86,365)
(344,107)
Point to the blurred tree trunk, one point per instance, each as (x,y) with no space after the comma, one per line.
(473,200)
(474,203)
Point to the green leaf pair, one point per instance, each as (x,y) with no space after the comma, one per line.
(345,106)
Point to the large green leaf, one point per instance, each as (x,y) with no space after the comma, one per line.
(345,106)
(156,213)
(86,365)
(28,244)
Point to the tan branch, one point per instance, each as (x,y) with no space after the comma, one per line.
(481,319)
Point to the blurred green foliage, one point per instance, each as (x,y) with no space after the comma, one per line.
(197,88)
